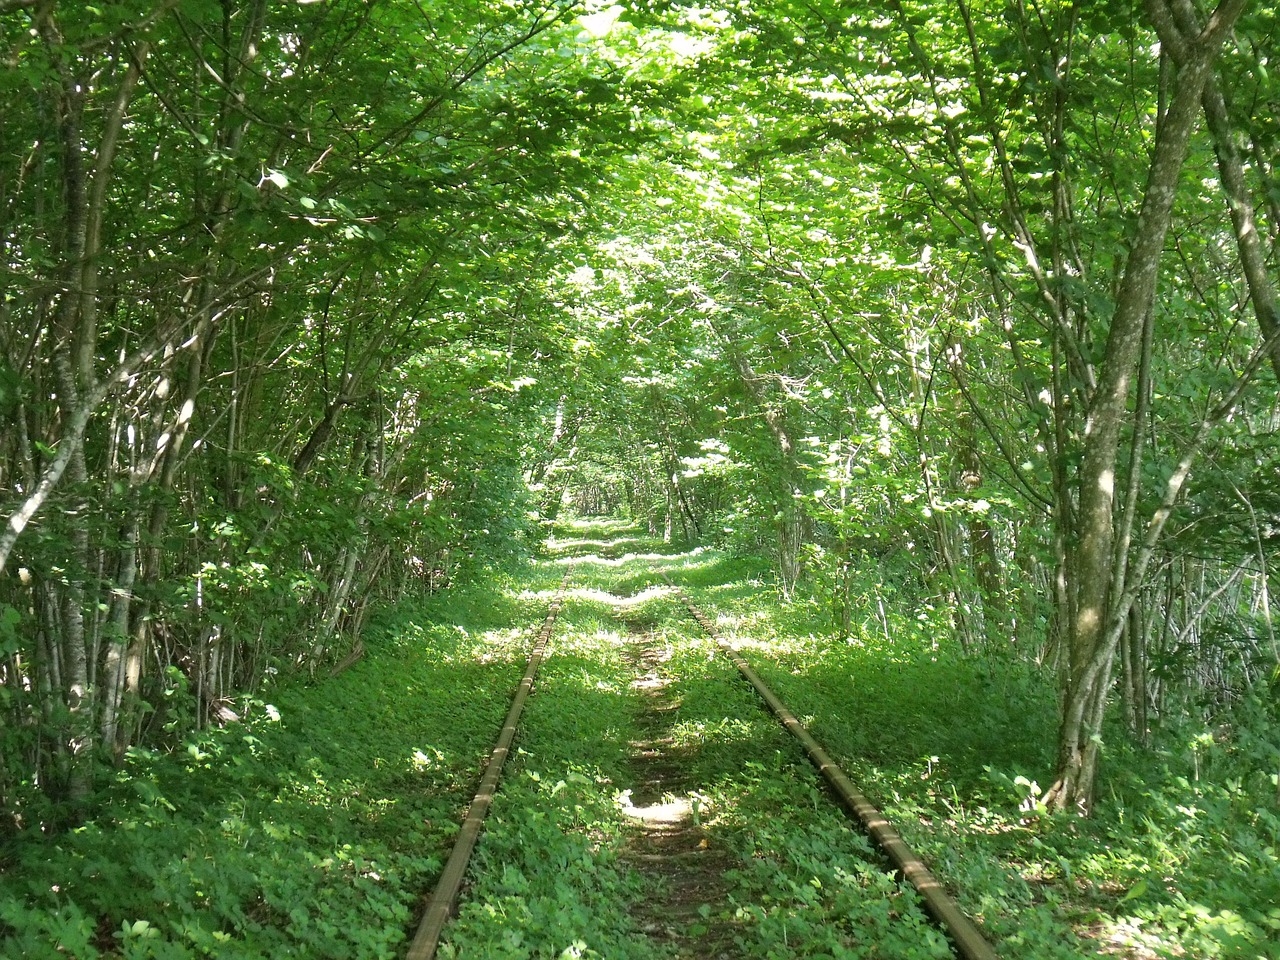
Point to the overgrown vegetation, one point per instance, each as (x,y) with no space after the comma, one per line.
(958,318)
(310,827)
(554,878)
(808,882)
(1183,862)
(317,822)
(549,878)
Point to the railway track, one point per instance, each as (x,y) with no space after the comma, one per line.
(969,942)
(445,896)
(672,847)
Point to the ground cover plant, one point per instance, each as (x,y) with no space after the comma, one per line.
(311,828)
(309,307)
(808,881)
(314,824)
(1182,862)
(553,876)
(548,879)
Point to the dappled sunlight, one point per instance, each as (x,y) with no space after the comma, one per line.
(741,643)
(1125,937)
(559,547)
(584,643)
(600,525)
(658,560)
(503,644)
(390,359)
(621,603)
(669,812)
(595,595)
(703,732)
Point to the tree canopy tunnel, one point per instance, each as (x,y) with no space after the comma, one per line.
(962,306)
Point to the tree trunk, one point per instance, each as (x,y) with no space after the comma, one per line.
(1252,257)
(791,522)
(982,544)
(1090,647)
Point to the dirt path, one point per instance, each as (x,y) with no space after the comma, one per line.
(671,845)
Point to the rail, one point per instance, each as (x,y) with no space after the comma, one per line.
(445,895)
(969,941)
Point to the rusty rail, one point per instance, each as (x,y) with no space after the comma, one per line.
(445,895)
(968,940)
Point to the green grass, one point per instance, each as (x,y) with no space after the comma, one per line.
(311,829)
(809,883)
(547,880)
(551,880)
(950,747)
(314,827)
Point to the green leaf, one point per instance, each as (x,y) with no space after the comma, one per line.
(1137,890)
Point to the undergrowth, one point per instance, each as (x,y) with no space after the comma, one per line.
(313,827)
(547,880)
(950,746)
(310,829)
(809,883)
(552,879)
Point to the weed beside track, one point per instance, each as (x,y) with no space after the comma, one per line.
(309,829)
(656,810)
(652,809)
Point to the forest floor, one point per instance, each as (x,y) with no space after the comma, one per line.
(652,808)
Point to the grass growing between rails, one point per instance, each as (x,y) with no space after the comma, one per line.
(554,876)
(950,747)
(550,877)
(547,878)
(313,828)
(309,830)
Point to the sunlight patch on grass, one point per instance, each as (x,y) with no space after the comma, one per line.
(598,525)
(670,811)
(595,595)
(501,644)
(557,546)
(708,731)
(649,558)
(587,642)
(1126,938)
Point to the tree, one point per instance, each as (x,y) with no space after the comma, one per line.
(252,257)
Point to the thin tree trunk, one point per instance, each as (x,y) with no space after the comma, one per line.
(1091,646)
(1253,258)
